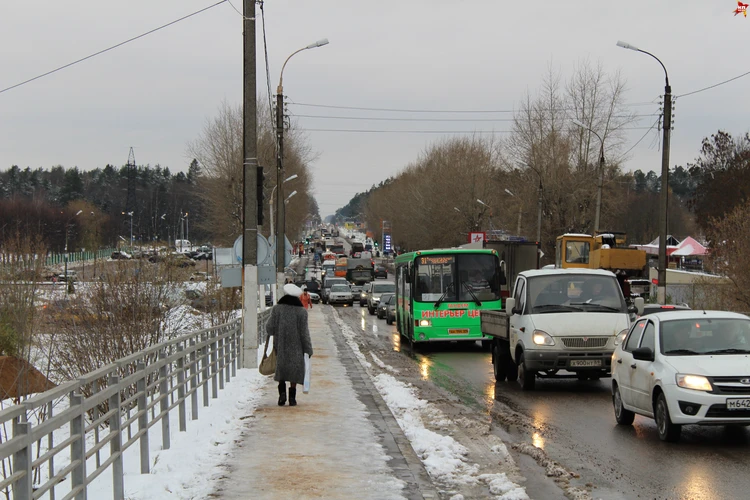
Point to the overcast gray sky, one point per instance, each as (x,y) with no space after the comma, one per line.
(156,93)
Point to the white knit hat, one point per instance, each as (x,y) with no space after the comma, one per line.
(293,290)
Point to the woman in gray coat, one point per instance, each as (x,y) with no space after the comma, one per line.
(291,339)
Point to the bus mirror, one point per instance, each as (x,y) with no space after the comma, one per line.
(510,303)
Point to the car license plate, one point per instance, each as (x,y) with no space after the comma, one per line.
(585,362)
(738,404)
(458,331)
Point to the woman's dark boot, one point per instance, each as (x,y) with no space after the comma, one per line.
(282,393)
(292,396)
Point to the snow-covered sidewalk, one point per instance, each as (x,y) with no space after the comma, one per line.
(325,447)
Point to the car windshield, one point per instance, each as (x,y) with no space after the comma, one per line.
(698,336)
(335,281)
(385,298)
(574,293)
(340,288)
(384,288)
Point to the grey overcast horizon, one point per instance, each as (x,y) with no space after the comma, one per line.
(156,93)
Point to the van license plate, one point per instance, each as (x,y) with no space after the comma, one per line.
(738,404)
(458,331)
(585,362)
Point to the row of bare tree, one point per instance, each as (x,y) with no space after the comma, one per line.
(548,163)
(219,151)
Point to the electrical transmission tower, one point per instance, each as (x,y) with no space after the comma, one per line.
(130,205)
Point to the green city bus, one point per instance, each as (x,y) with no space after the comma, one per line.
(439,293)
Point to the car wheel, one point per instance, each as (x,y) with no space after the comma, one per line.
(371,311)
(388,321)
(623,416)
(667,430)
(526,377)
(499,367)
(351,304)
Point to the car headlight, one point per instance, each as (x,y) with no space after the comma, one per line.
(542,338)
(425,322)
(694,382)
(620,338)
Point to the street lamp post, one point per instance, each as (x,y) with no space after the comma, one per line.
(661,290)
(270,202)
(520,208)
(280,222)
(601,175)
(490,209)
(67,227)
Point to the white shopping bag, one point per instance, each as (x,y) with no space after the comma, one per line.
(306,385)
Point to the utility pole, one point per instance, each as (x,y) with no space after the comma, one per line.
(539,215)
(249,201)
(279,202)
(661,290)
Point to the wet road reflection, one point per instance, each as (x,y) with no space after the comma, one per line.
(573,422)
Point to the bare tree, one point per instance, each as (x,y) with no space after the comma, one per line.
(219,151)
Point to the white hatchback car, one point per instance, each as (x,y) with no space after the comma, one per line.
(687,367)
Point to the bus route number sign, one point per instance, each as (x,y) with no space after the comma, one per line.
(436,261)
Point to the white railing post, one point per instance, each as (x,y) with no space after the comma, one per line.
(214,366)
(181,387)
(227,357)
(193,381)
(78,447)
(220,362)
(22,460)
(164,401)
(204,377)
(115,444)
(143,417)
(233,353)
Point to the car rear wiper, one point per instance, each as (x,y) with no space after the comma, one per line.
(468,289)
(728,351)
(442,297)
(682,351)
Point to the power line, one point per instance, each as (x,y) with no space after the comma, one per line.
(714,85)
(384,118)
(371,131)
(268,75)
(642,137)
(466,111)
(112,47)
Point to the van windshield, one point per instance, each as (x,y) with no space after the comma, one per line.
(574,292)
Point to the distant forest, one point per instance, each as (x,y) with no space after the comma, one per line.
(45,202)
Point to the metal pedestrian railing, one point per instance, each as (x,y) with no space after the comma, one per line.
(63,439)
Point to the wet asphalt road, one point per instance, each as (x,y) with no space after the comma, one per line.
(574,423)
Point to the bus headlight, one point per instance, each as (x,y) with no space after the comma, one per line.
(425,322)
(542,338)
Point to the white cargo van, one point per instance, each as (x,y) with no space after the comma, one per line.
(558,320)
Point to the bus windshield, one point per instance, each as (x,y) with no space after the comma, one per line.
(457,277)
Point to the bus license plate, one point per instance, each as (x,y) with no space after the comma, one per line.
(738,404)
(458,331)
(585,362)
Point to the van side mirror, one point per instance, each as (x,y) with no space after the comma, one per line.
(643,354)
(510,304)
